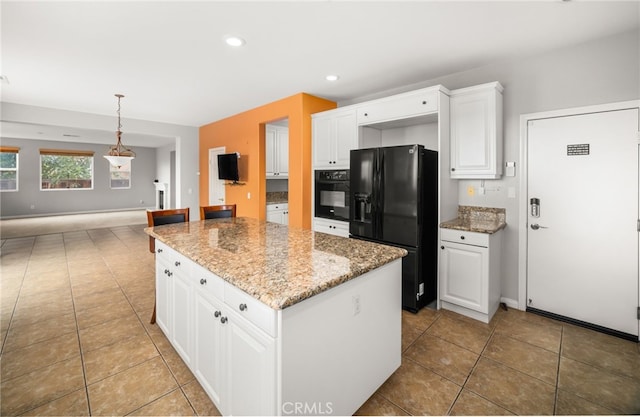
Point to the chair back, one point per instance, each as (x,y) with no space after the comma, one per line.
(161,217)
(217,212)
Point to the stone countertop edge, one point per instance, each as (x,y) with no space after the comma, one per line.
(487,220)
(296,264)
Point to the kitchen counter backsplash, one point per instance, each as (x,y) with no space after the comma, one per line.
(478,219)
(277,197)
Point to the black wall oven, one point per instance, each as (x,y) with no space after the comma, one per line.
(332,194)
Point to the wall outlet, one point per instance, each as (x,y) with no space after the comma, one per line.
(356,304)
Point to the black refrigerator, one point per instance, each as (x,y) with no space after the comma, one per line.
(394,201)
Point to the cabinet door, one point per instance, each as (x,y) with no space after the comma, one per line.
(181,318)
(464,275)
(345,138)
(270,150)
(476,134)
(251,374)
(274,216)
(282,152)
(209,342)
(331,227)
(163,285)
(285,217)
(323,142)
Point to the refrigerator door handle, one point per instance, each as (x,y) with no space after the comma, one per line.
(380,196)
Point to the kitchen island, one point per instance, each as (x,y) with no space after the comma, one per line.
(275,320)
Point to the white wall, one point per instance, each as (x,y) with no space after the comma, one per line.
(186,143)
(603,71)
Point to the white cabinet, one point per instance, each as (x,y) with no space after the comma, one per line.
(332,227)
(470,273)
(278,213)
(335,134)
(277,151)
(476,132)
(224,336)
(400,106)
(174,289)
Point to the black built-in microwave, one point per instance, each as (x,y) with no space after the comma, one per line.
(332,194)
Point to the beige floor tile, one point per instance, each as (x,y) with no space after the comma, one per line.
(117,357)
(127,391)
(419,391)
(104,312)
(377,405)
(568,404)
(413,325)
(615,392)
(607,352)
(107,296)
(532,330)
(526,358)
(173,404)
(74,404)
(442,357)
(510,389)
(468,335)
(39,387)
(21,335)
(471,404)
(199,399)
(93,284)
(177,366)
(110,332)
(39,355)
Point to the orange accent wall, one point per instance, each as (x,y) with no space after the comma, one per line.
(244,133)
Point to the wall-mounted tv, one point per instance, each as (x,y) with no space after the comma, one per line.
(228,166)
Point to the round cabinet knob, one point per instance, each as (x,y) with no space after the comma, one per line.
(461,237)
(366,114)
(453,169)
(203,281)
(177,263)
(217,314)
(166,272)
(442,247)
(424,101)
(223,320)
(170,274)
(243,307)
(159,251)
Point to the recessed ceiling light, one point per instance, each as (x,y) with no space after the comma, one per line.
(234,41)
(332,77)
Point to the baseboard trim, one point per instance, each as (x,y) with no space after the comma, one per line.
(70,213)
(510,303)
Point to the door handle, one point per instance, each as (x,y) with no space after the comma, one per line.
(536,226)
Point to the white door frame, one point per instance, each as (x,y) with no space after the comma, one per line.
(524,191)
(213,175)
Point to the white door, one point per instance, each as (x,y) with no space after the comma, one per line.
(216,185)
(582,259)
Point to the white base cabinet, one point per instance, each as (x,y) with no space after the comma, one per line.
(278,213)
(253,360)
(332,227)
(470,273)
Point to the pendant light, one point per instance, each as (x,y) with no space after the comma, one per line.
(118,155)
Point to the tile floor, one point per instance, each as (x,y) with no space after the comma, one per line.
(76,341)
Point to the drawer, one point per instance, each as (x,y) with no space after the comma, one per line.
(177,262)
(331,227)
(207,282)
(467,238)
(398,107)
(273,207)
(261,315)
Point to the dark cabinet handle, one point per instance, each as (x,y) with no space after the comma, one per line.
(177,263)
(159,251)
(424,101)
(461,237)
(442,247)
(203,281)
(217,314)
(242,307)
(366,114)
(223,320)
(453,169)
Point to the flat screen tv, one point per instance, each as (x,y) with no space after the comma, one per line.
(228,166)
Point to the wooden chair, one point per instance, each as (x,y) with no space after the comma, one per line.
(158,218)
(217,212)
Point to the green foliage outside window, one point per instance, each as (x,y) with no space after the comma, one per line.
(8,171)
(64,172)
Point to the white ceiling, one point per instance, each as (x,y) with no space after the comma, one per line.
(170,61)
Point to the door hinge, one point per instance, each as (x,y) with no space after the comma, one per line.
(638,226)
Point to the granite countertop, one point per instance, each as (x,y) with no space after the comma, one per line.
(276,264)
(277,197)
(477,219)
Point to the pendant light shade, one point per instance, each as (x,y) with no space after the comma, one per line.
(118,155)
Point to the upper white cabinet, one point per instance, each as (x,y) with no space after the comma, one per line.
(476,132)
(401,106)
(277,151)
(335,134)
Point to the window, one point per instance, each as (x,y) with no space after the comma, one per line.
(62,169)
(120,177)
(9,168)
